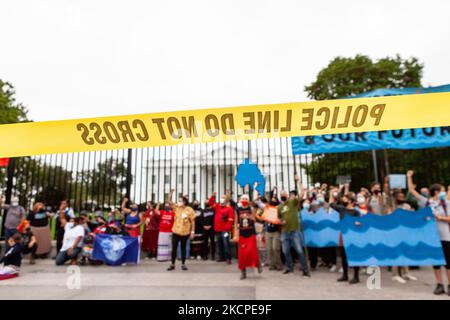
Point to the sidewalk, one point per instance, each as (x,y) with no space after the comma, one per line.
(204,280)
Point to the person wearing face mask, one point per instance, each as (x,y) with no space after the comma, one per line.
(272,234)
(30,244)
(377,200)
(439,202)
(246,237)
(362,204)
(39,224)
(182,230)
(15,213)
(196,250)
(166,218)
(223,224)
(151,231)
(66,213)
(133,218)
(209,244)
(290,235)
(72,243)
(346,207)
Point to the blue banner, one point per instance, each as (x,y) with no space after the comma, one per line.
(322,228)
(395,139)
(403,238)
(115,249)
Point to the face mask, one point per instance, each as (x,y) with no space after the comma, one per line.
(134,209)
(195,206)
(361,200)
(42,210)
(442,195)
(166,208)
(14,203)
(345,203)
(273,203)
(244,203)
(321,200)
(306,206)
(401,201)
(376,192)
(283,198)
(335,194)
(425,194)
(180,203)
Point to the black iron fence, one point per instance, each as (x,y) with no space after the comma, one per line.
(99,180)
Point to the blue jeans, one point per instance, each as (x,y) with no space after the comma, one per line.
(293,239)
(223,245)
(64,256)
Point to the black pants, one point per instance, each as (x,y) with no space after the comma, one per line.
(182,240)
(329,255)
(446,249)
(345,264)
(59,238)
(313,254)
(209,243)
(31,250)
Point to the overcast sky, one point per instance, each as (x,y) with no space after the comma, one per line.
(73,59)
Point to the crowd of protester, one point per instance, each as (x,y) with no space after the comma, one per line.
(182,230)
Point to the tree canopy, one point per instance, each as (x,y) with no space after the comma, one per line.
(10,110)
(344,77)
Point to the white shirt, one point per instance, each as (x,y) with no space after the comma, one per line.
(438,210)
(71,234)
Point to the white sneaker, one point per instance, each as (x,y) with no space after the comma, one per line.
(341,270)
(398,279)
(409,276)
(333,268)
(199,258)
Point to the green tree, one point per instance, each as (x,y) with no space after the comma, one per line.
(104,185)
(10,110)
(344,77)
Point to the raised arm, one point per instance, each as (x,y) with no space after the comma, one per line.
(301,189)
(123,206)
(212,199)
(157,209)
(411,188)
(170,197)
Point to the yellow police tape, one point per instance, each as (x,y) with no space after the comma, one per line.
(226,124)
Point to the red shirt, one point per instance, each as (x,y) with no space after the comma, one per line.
(223,216)
(153,223)
(166,222)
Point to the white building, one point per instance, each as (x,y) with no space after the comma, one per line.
(199,170)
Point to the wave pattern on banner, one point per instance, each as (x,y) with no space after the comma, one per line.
(322,228)
(399,239)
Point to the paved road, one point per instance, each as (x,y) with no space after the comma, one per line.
(204,280)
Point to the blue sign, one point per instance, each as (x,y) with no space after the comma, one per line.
(403,238)
(249,173)
(115,249)
(395,139)
(322,228)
